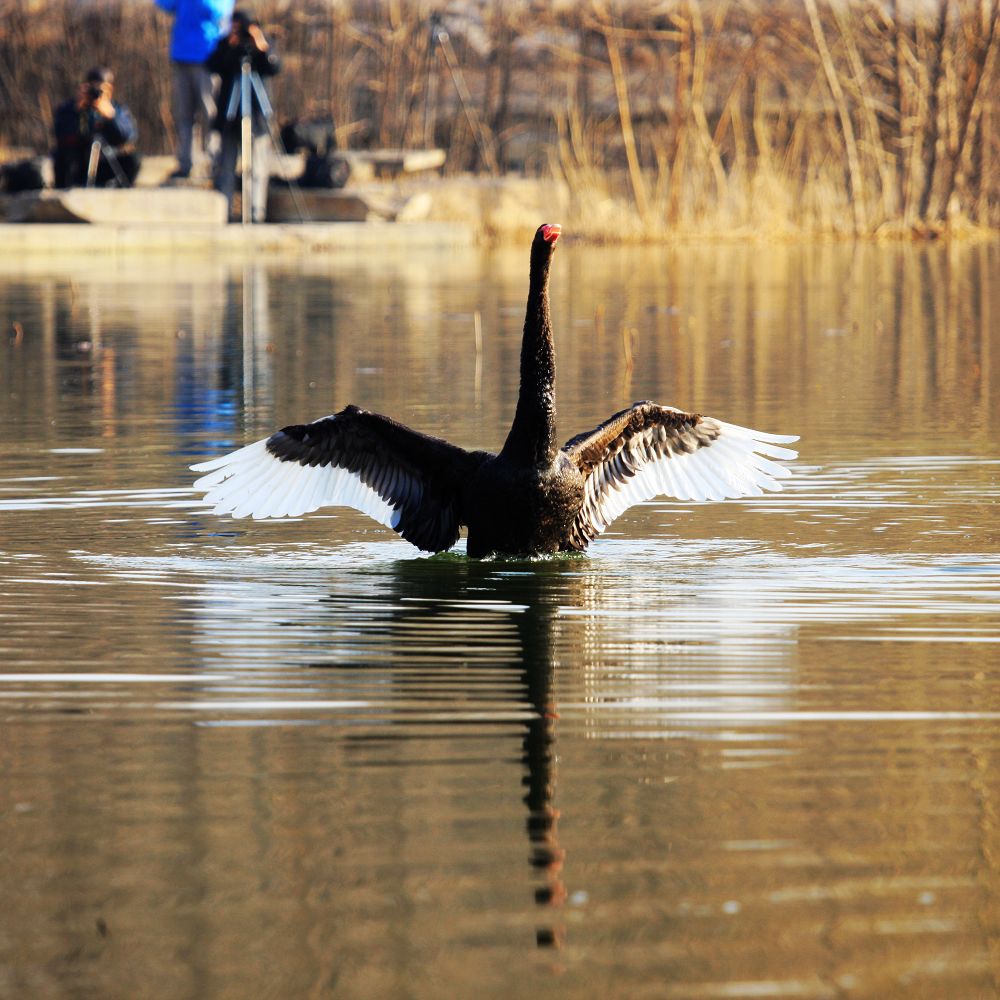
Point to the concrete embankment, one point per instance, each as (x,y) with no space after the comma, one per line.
(409,213)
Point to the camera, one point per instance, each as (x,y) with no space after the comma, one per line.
(245,39)
(94,91)
(247,44)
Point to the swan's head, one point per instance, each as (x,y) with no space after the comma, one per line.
(550,232)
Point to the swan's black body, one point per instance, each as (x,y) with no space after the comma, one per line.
(533,497)
(515,508)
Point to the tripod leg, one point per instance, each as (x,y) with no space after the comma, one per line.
(277,145)
(111,158)
(261,178)
(92,163)
(246,123)
(479,133)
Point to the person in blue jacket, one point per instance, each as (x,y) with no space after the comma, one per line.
(198,26)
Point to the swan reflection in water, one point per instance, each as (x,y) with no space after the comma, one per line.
(411,653)
(419,667)
(455,601)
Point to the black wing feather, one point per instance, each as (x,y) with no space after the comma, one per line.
(404,479)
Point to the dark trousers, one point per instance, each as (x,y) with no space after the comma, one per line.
(70,167)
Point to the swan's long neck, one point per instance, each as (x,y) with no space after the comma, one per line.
(531,440)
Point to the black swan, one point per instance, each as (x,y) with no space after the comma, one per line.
(533,497)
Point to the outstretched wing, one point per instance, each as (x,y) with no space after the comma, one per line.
(648,450)
(403,479)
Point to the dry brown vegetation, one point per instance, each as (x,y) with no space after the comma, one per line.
(832,116)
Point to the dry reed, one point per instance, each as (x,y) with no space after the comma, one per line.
(853,117)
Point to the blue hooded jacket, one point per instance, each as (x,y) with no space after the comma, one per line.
(198,25)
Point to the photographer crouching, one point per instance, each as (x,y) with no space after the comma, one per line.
(95,136)
(241,100)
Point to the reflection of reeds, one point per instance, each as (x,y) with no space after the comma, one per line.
(842,116)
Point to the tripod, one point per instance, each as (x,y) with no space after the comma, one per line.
(98,148)
(241,103)
(440,41)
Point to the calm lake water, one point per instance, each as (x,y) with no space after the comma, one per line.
(737,750)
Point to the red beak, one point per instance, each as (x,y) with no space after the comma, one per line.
(551,232)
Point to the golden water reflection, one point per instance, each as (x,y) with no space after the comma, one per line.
(863,343)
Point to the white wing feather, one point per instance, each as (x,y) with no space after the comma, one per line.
(251,482)
(738,463)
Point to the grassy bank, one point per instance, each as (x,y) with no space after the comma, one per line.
(867,117)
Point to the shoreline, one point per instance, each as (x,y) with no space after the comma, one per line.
(69,240)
